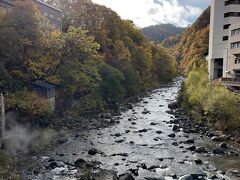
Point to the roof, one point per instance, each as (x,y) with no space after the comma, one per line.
(7,2)
(45,4)
(43,84)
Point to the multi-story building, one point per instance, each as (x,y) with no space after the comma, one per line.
(224,40)
(53,15)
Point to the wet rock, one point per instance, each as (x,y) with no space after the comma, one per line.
(131,142)
(127,176)
(143,131)
(213,177)
(233,153)
(218,151)
(145,111)
(117,135)
(120,141)
(143,166)
(192,148)
(121,154)
(152,168)
(92,151)
(174,105)
(153,124)
(62,140)
(79,162)
(189,141)
(215,139)
(223,145)
(52,165)
(193,177)
(176,128)
(105,115)
(129,106)
(175,144)
(209,134)
(127,131)
(198,161)
(172,135)
(200,149)
(154,178)
(134,171)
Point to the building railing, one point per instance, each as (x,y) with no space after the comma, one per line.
(231,80)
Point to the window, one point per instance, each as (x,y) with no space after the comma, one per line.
(235,45)
(45,14)
(232,2)
(226,26)
(235,32)
(225,38)
(51,16)
(232,14)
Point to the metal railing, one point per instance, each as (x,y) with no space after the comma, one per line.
(231,80)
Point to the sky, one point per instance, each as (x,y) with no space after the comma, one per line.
(150,12)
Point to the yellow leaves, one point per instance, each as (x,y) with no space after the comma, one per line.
(28,102)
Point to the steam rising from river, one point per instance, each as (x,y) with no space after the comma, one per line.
(18,139)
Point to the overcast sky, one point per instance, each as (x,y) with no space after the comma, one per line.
(150,12)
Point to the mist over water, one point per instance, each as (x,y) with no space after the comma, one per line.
(18,139)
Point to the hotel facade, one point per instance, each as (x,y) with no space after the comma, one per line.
(52,14)
(224,40)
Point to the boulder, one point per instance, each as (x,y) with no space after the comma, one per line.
(215,139)
(127,176)
(159,132)
(223,145)
(192,148)
(92,151)
(142,130)
(79,162)
(189,141)
(218,151)
(198,161)
(200,149)
(172,135)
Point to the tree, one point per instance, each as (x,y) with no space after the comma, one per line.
(112,83)
(20,32)
(78,68)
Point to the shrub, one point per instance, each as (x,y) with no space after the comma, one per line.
(214,101)
(28,103)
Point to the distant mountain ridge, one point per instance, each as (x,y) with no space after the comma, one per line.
(158,33)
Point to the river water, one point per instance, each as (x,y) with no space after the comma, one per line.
(136,141)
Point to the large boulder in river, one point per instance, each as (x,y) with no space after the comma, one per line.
(218,151)
(79,162)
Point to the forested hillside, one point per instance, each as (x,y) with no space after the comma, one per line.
(96,61)
(191,46)
(158,33)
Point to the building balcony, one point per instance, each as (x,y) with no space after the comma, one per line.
(231,81)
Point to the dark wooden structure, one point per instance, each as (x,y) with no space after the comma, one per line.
(45,90)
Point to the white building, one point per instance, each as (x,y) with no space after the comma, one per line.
(224,40)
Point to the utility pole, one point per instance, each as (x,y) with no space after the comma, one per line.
(2,103)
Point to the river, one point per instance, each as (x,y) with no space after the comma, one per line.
(140,143)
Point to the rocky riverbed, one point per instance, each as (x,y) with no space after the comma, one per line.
(152,140)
